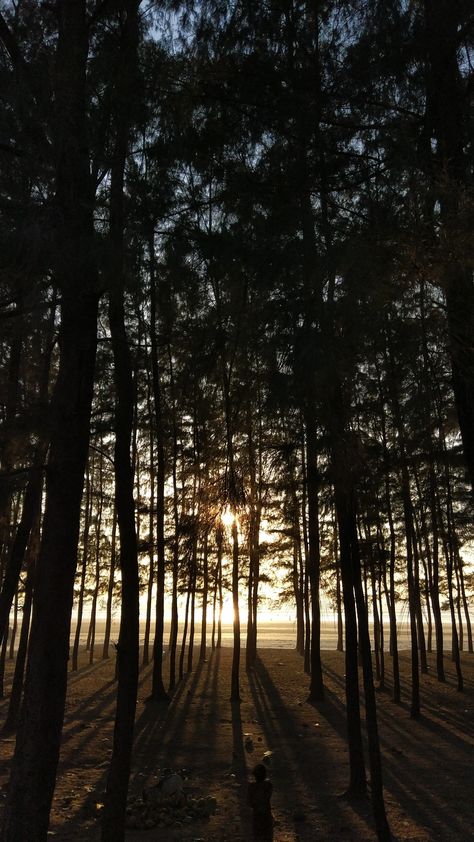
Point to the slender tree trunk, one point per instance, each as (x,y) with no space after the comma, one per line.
(85,547)
(448,544)
(382,635)
(29,511)
(7,447)
(173,641)
(340,623)
(358,781)
(205,595)
(316,689)
(418,610)
(376,784)
(151,553)
(158,692)
(465,604)
(115,801)
(306,592)
(14,628)
(192,616)
(433,556)
(98,530)
(185,627)
(214,608)
(3,658)
(113,824)
(110,587)
(255,509)
(11,721)
(235,676)
(409,530)
(390,590)
(219,541)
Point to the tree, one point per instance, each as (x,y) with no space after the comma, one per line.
(37,747)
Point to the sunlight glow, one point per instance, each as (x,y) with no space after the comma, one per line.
(228,517)
(228,611)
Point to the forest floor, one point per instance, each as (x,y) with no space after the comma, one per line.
(428,764)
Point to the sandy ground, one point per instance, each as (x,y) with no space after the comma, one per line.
(428,764)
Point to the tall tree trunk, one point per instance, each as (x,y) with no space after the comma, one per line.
(115,801)
(418,610)
(113,823)
(448,545)
(255,511)
(7,447)
(11,577)
(11,721)
(192,611)
(37,748)
(376,784)
(88,503)
(306,592)
(3,658)
(110,587)
(151,551)
(465,604)
(98,531)
(158,692)
(390,589)
(219,542)
(205,596)
(316,687)
(235,676)
(185,626)
(14,628)
(173,640)
(433,556)
(409,527)
(358,780)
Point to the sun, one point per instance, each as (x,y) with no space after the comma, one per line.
(227,611)
(228,517)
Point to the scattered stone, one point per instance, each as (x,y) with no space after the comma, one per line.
(155,810)
(169,788)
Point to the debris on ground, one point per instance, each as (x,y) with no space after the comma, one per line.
(167,804)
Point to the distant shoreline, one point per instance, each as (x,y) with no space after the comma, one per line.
(271,635)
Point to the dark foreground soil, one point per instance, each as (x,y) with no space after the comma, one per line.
(428,764)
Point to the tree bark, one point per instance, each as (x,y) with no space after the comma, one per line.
(115,801)
(37,748)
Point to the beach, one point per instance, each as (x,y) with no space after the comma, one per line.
(427,764)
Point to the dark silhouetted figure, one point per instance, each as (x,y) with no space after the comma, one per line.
(259,794)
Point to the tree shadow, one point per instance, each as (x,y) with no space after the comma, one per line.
(302,767)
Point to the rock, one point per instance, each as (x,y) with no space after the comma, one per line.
(149,823)
(169,788)
(132,822)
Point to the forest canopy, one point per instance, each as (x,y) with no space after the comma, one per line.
(237,327)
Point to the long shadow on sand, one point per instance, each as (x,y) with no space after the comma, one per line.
(302,766)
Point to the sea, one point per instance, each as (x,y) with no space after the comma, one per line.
(271,634)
